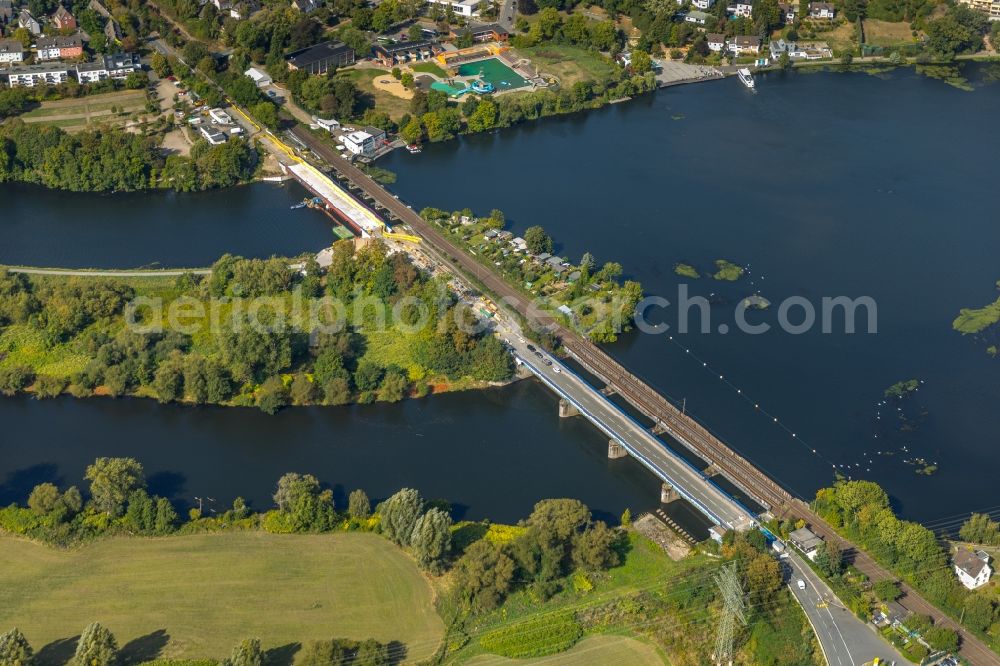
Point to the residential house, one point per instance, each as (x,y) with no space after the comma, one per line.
(34,75)
(220,117)
(11,50)
(59,47)
(796,51)
(972,568)
(91,72)
(112,32)
(6,11)
(789,11)
(26,20)
(212,135)
(890,614)
(807,542)
(320,58)
(743,8)
(821,10)
(389,55)
(466,8)
(261,78)
(989,7)
(63,20)
(697,17)
(520,245)
(716,42)
(741,44)
(703,4)
(243,9)
(328,124)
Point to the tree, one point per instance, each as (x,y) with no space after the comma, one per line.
(304,391)
(887,590)
(112,480)
(43,499)
(641,62)
(97,647)
(626,519)
(981,529)
(538,241)
(368,375)
(168,383)
(159,64)
(483,576)
(593,549)
(358,505)
(941,638)
(15,649)
(415,33)
(431,539)
(399,515)
(393,387)
(293,485)
(266,113)
(413,131)
(272,395)
(763,575)
(247,653)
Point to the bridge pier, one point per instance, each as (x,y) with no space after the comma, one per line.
(608,390)
(658,429)
(616,450)
(566,410)
(711,470)
(668,494)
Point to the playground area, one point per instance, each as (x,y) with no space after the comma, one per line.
(481,77)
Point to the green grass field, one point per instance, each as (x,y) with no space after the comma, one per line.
(593,651)
(77,113)
(207,592)
(396,107)
(569,63)
(428,68)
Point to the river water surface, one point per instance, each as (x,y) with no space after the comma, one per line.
(823,184)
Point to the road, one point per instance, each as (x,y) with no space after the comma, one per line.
(508,13)
(844,639)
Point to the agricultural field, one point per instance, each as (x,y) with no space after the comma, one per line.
(113,108)
(197,596)
(567,63)
(593,651)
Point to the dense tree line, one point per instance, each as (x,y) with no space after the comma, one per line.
(112,160)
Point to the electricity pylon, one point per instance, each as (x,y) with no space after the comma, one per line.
(733,611)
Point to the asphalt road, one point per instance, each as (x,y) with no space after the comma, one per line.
(844,639)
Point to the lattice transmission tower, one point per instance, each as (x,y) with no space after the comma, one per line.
(733,612)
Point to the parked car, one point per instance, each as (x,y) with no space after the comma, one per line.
(801,584)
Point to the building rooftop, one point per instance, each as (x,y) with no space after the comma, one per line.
(307,56)
(746,40)
(805,539)
(41,68)
(11,46)
(59,42)
(400,47)
(971,563)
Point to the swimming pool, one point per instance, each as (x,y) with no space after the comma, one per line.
(453,91)
(493,71)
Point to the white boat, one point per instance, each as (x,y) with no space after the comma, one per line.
(746,77)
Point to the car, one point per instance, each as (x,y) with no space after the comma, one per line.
(557,370)
(801,584)
(547,361)
(521,340)
(531,348)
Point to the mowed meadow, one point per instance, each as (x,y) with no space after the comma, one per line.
(198,596)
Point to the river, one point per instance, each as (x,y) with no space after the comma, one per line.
(823,184)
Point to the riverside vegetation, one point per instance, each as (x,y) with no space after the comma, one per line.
(72,334)
(535,588)
(861,511)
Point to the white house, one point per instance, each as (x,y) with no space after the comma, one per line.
(703,4)
(11,50)
(259,77)
(328,124)
(972,568)
(696,17)
(807,542)
(26,20)
(220,117)
(466,8)
(744,8)
(716,42)
(212,135)
(33,75)
(822,10)
(359,143)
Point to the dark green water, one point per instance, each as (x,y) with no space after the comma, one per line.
(823,184)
